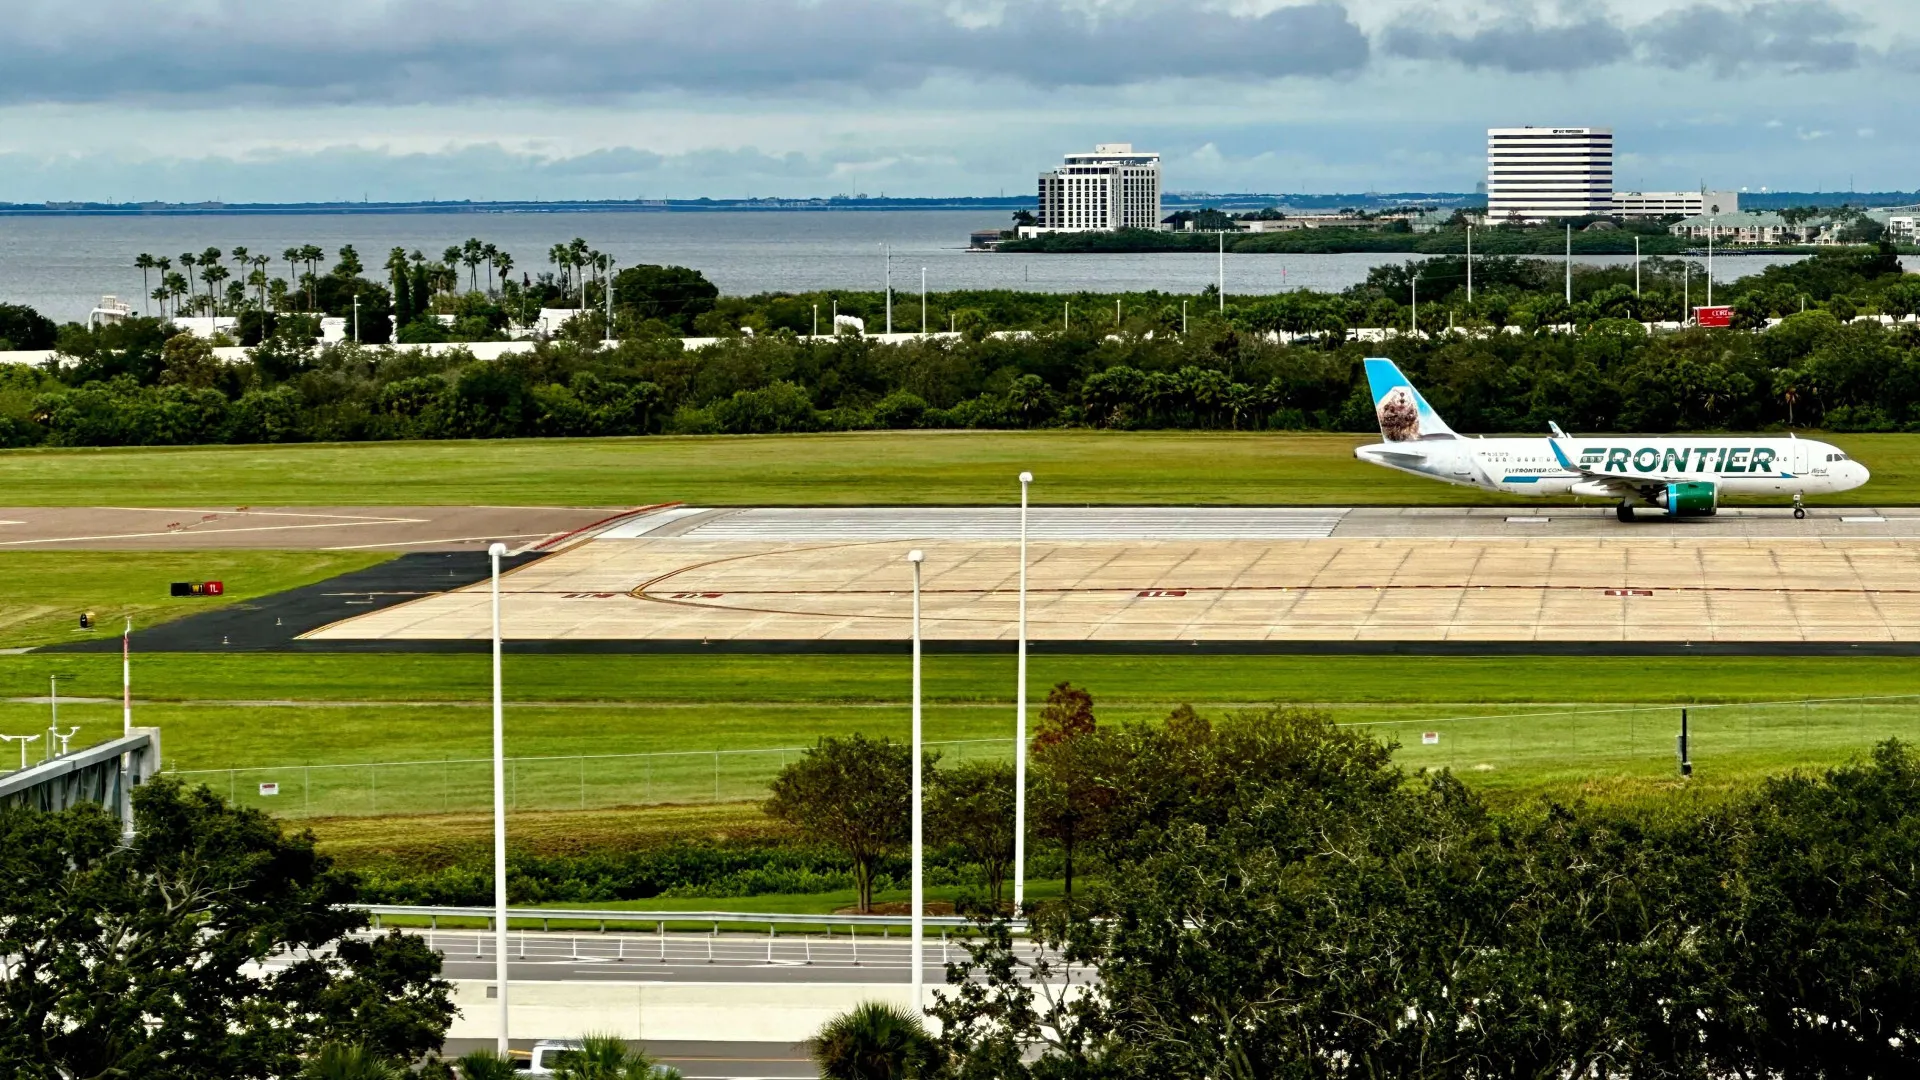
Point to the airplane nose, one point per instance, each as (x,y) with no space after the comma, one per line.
(1862,473)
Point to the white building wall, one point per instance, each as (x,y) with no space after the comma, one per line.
(1541,173)
(1115,187)
(1665,203)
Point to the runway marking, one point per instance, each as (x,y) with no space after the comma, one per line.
(205,532)
(445,540)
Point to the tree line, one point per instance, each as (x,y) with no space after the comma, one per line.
(1280,362)
(1277,899)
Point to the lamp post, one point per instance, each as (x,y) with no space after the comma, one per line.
(923,301)
(1569,264)
(1713,226)
(23,740)
(609,298)
(1636,266)
(356,318)
(889,251)
(1020,722)
(1223,272)
(1469,264)
(918,897)
(53,720)
(1183,318)
(1415,327)
(494,552)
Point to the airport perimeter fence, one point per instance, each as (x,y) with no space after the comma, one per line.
(1517,746)
(578,782)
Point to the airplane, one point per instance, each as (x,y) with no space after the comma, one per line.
(1683,476)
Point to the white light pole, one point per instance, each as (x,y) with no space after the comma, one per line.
(889,250)
(1020,723)
(1469,264)
(923,301)
(126,679)
(1569,264)
(1223,272)
(356,318)
(23,740)
(1415,328)
(610,265)
(916,556)
(1713,226)
(499,811)
(1636,266)
(816,320)
(1183,318)
(53,722)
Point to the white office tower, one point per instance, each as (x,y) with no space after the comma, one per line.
(1115,187)
(1534,174)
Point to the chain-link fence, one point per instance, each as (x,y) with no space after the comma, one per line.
(1735,739)
(1517,746)
(583,782)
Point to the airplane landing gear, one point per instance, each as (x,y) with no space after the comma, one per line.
(1799,511)
(1624,512)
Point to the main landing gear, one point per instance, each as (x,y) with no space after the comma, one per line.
(1799,511)
(1624,511)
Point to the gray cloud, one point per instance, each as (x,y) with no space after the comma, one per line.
(435,51)
(1780,35)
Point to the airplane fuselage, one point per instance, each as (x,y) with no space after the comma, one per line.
(1606,464)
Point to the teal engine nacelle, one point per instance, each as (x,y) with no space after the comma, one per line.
(1694,498)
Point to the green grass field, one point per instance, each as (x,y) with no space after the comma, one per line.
(359,735)
(1071,467)
(42,593)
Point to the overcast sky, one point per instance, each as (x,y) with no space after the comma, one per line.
(248,100)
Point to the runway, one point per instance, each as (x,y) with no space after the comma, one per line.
(200,528)
(1197,575)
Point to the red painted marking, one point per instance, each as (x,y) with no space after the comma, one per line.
(1148,593)
(1629,592)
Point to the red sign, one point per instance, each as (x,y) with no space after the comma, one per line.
(1713,316)
(198,588)
(215,588)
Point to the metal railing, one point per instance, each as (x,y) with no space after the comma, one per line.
(602,918)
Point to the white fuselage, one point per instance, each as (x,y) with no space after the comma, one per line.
(1607,464)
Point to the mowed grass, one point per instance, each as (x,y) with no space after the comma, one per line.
(43,593)
(598,732)
(859,468)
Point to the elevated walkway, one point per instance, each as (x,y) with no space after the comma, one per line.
(104,775)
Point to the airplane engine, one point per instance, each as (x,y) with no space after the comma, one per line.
(1694,498)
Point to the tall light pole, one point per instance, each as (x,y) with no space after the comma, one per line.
(499,811)
(1183,318)
(1636,266)
(1223,272)
(610,301)
(53,722)
(918,895)
(923,301)
(889,250)
(1415,279)
(1020,723)
(1713,226)
(1569,264)
(126,679)
(356,318)
(1469,264)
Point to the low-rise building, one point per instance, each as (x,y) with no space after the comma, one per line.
(1751,227)
(1655,204)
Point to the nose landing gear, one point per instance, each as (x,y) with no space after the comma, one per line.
(1799,511)
(1624,511)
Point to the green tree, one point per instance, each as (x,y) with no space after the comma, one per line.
(607,1057)
(484,1064)
(852,793)
(210,945)
(347,1061)
(1072,788)
(672,294)
(971,805)
(875,1041)
(24,328)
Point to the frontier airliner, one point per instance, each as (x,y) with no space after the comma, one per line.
(1684,477)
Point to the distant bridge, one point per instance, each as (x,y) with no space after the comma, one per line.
(104,775)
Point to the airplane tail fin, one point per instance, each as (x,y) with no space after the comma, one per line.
(1404,415)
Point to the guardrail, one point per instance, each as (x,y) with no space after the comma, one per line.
(657,920)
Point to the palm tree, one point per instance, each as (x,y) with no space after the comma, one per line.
(491,256)
(484,1064)
(607,1057)
(213,274)
(312,253)
(472,253)
(346,1061)
(188,260)
(260,274)
(242,258)
(143,262)
(577,255)
(562,260)
(177,285)
(292,255)
(161,295)
(874,1041)
(502,262)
